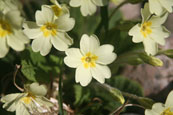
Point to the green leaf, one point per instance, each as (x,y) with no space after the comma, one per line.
(28,70)
(145,102)
(126,85)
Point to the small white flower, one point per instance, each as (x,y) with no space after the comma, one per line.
(90,60)
(159,6)
(11,34)
(48,31)
(162,109)
(58,9)
(88,7)
(28,102)
(150,32)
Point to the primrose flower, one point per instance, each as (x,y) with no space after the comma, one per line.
(88,7)
(24,103)
(11,34)
(150,32)
(47,31)
(90,60)
(159,6)
(162,109)
(58,9)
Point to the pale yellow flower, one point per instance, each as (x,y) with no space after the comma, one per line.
(11,34)
(150,31)
(91,60)
(162,109)
(48,31)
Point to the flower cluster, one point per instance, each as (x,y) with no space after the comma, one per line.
(91,60)
(11,34)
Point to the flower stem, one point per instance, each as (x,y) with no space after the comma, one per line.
(60,101)
(116,9)
(14,78)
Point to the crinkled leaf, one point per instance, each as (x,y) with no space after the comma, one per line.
(28,70)
(126,85)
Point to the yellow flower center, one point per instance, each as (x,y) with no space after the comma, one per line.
(28,99)
(146,29)
(5,28)
(57,10)
(49,29)
(89,60)
(167,112)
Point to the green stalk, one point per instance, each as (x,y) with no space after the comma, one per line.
(116,9)
(60,100)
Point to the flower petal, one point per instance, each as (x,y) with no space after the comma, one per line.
(83,76)
(150,112)
(73,58)
(62,41)
(11,101)
(42,44)
(145,12)
(65,23)
(158,108)
(17,21)
(167,4)
(45,15)
(150,46)
(22,110)
(169,102)
(17,40)
(155,7)
(30,24)
(89,43)
(4,47)
(159,35)
(158,20)
(100,73)
(32,33)
(87,7)
(135,32)
(75,3)
(105,54)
